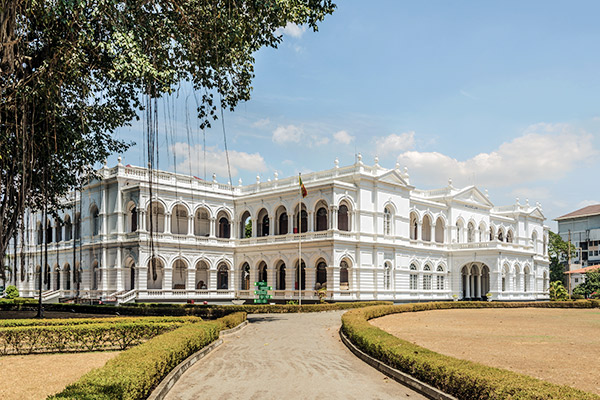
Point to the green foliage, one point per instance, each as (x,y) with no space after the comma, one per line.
(12,292)
(75,71)
(558,291)
(591,284)
(460,378)
(558,251)
(248,229)
(134,373)
(25,336)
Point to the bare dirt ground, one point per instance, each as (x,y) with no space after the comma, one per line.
(286,356)
(557,345)
(37,376)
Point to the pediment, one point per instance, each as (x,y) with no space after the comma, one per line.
(536,213)
(472,195)
(393,177)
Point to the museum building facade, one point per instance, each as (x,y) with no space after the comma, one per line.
(365,233)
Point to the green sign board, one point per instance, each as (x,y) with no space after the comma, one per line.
(263,297)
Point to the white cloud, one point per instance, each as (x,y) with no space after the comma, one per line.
(287,134)
(216,161)
(586,203)
(395,143)
(543,152)
(343,137)
(261,123)
(291,29)
(318,141)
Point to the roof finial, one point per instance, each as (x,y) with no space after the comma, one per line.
(336,162)
(240,182)
(276,174)
(377,161)
(450,182)
(214,178)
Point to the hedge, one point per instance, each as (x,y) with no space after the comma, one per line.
(460,378)
(78,338)
(4,323)
(135,372)
(203,311)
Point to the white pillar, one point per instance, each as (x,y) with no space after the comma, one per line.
(213,227)
(167,223)
(190,225)
(468,283)
(311,221)
(479,285)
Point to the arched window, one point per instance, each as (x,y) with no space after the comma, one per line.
(303,220)
(387,275)
(58,230)
(492,235)
(505,278)
(262,272)
(133,216)
(57,280)
(223,277)
(155,274)
(179,274)
(426,229)
(413,278)
(224,231)
(545,283)
(517,279)
(545,245)
(263,223)
(470,232)
(68,228)
(245,277)
(427,277)
(526,278)
(40,233)
(440,284)
(413,226)
(201,275)
(95,221)
(67,274)
(344,283)
(500,235)
(459,231)
(283,223)
(77,226)
(482,231)
(179,220)
(281,276)
(245,225)
(321,219)
(321,275)
(387,221)
(300,278)
(156,218)
(439,230)
(202,223)
(509,237)
(534,241)
(48,231)
(343,222)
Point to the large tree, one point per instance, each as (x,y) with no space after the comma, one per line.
(558,250)
(73,71)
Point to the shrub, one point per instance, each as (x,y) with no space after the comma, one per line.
(82,321)
(134,373)
(11,292)
(85,337)
(460,378)
(558,291)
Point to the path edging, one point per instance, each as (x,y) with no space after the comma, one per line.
(172,377)
(397,375)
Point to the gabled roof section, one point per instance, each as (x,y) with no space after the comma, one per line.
(472,195)
(394,177)
(582,212)
(537,213)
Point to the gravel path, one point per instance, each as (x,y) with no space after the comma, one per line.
(286,356)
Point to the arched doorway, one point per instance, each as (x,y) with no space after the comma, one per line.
(281,276)
(179,274)
(223,277)
(300,277)
(262,272)
(155,274)
(201,275)
(245,277)
(321,275)
(344,281)
(475,281)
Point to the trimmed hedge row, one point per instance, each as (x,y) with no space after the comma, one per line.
(203,311)
(5,323)
(78,338)
(460,378)
(134,373)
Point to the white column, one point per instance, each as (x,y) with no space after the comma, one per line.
(468,283)
(190,225)
(168,222)
(479,285)
(119,210)
(254,227)
(271,226)
(311,221)
(119,269)
(419,227)
(213,227)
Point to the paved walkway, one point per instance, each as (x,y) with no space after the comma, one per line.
(286,356)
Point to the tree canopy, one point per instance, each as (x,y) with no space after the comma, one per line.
(558,250)
(591,286)
(73,71)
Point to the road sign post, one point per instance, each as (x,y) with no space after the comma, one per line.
(262,293)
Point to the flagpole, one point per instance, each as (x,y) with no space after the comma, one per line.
(300,245)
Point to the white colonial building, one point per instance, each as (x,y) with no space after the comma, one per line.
(365,233)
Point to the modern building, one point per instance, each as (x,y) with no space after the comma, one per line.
(365,234)
(582,228)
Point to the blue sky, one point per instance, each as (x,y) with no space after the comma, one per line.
(505,95)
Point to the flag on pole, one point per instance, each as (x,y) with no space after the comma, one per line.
(302,188)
